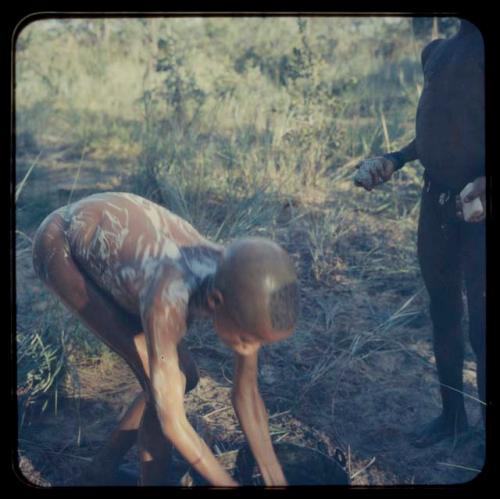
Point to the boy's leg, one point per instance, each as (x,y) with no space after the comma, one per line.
(105,464)
(155,451)
(113,325)
(125,435)
(118,329)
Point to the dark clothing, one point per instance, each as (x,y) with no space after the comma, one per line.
(449,242)
(452,253)
(450,145)
(450,124)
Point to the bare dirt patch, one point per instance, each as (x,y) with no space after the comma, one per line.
(358,375)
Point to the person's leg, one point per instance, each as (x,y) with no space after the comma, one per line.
(54,264)
(121,332)
(188,366)
(439,259)
(118,329)
(155,451)
(125,435)
(474,262)
(105,463)
(56,267)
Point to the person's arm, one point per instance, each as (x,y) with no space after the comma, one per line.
(164,325)
(403,156)
(374,171)
(252,415)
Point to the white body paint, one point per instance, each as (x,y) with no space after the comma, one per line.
(125,243)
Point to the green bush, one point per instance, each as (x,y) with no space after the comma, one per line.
(222,120)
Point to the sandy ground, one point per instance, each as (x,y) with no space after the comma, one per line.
(356,376)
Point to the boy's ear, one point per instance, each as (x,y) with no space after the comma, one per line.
(215,300)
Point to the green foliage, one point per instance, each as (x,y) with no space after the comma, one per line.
(39,366)
(423,26)
(44,351)
(222,120)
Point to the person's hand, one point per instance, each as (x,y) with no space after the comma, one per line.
(373,171)
(478,191)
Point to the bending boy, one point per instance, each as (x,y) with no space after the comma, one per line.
(136,274)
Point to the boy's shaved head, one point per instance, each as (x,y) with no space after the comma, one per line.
(258,283)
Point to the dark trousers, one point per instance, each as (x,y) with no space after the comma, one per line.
(452,257)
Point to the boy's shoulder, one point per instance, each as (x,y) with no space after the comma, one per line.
(166,286)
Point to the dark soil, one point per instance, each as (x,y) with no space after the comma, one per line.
(356,376)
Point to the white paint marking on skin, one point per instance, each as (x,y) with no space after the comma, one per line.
(154,248)
(127,273)
(128,284)
(116,207)
(162,219)
(78,222)
(137,200)
(201,268)
(154,217)
(188,229)
(145,255)
(189,232)
(175,293)
(169,249)
(99,244)
(117,233)
(138,246)
(159,245)
(149,268)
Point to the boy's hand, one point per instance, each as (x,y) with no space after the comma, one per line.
(373,171)
(252,414)
(476,192)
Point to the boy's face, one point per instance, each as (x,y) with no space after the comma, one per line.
(232,335)
(241,341)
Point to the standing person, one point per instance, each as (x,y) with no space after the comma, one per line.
(450,144)
(136,274)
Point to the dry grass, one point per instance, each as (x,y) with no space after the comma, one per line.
(238,152)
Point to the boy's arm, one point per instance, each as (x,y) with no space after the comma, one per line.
(165,324)
(253,418)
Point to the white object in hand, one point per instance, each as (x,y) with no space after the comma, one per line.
(473,208)
(363,176)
